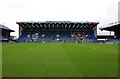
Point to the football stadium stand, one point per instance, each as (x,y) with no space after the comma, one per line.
(5,33)
(57,31)
(115,27)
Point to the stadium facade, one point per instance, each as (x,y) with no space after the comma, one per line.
(57,31)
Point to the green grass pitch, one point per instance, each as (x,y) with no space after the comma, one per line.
(0,60)
(59,60)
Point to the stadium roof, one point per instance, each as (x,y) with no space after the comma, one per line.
(58,24)
(6,28)
(112,27)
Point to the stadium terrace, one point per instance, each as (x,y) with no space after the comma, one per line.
(5,33)
(115,27)
(57,31)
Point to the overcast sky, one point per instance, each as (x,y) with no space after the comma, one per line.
(102,11)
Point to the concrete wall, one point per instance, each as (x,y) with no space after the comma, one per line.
(20,31)
(0,56)
(95,31)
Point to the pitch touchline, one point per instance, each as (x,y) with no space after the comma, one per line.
(61,63)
